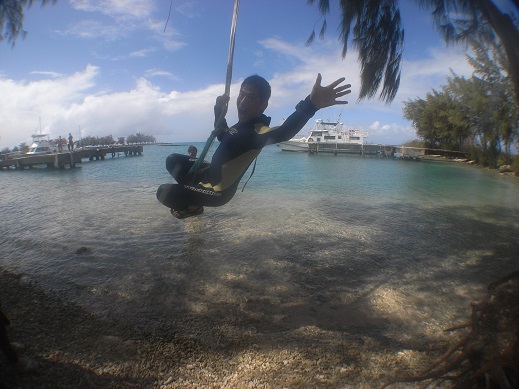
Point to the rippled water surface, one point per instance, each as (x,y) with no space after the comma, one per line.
(310,236)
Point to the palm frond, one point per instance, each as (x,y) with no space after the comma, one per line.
(323,30)
(11,18)
(310,39)
(379,38)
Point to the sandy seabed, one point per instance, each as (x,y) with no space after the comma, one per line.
(76,348)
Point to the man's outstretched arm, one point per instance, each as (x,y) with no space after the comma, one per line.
(320,97)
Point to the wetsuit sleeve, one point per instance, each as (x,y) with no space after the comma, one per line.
(222,129)
(293,124)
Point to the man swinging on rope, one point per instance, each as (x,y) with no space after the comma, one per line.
(216,183)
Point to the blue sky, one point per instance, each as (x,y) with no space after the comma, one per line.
(100,67)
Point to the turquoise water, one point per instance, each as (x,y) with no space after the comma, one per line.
(319,232)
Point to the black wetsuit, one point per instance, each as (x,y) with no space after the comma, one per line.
(216,183)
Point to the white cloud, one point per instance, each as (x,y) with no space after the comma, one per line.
(173,45)
(117,8)
(23,103)
(283,47)
(46,73)
(142,53)
(126,17)
(375,125)
(93,29)
(392,133)
(161,73)
(69,102)
(421,76)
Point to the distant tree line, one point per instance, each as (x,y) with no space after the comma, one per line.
(140,138)
(90,141)
(109,140)
(478,115)
(96,141)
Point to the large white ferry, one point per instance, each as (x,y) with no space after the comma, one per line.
(325,133)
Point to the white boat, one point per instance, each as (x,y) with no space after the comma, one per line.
(41,145)
(328,134)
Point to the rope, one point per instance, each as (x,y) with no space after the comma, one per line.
(248,179)
(169,14)
(228,80)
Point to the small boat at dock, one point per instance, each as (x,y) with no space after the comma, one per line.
(41,145)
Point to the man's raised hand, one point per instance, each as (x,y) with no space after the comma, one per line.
(326,96)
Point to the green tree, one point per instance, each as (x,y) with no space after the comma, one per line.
(489,62)
(515,165)
(439,120)
(106,140)
(478,111)
(487,99)
(11,18)
(482,111)
(121,140)
(415,143)
(140,138)
(379,36)
(97,141)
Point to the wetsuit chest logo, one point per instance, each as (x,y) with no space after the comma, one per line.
(232,131)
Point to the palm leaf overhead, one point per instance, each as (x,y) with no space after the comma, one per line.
(463,20)
(11,18)
(378,37)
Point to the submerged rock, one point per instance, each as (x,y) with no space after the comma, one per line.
(83,250)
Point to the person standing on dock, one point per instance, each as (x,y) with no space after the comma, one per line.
(239,145)
(70,142)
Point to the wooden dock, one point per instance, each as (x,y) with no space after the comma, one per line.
(351,148)
(399,152)
(419,153)
(69,158)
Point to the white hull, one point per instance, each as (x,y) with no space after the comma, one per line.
(294,145)
(41,145)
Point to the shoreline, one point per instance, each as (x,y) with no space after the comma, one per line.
(76,348)
(506,172)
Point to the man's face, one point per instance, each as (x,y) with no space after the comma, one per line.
(249,103)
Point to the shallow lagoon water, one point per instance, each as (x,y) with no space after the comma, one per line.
(336,242)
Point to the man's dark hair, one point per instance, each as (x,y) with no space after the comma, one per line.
(191,149)
(262,86)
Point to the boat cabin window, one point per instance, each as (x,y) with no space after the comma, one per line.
(329,137)
(354,137)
